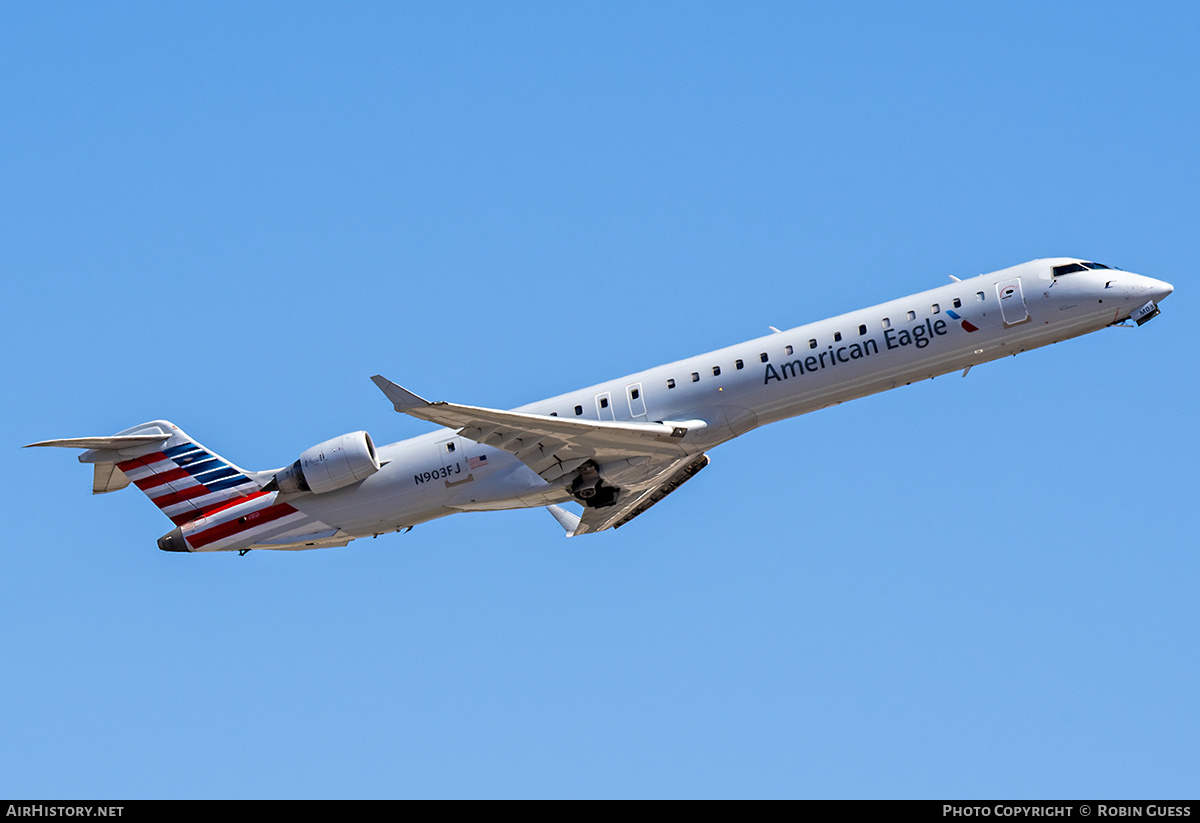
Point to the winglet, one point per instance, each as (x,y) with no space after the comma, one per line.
(402,399)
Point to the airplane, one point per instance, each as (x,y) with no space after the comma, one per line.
(616,448)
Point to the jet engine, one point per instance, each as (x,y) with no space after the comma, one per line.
(331,465)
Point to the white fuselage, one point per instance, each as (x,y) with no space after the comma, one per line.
(750,384)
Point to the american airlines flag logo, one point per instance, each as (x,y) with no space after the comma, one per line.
(966,324)
(477,462)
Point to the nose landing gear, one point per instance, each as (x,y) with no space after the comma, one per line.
(1146,313)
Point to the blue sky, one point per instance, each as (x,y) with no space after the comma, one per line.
(232,216)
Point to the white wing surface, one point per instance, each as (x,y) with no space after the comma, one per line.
(635,501)
(646,460)
(551,446)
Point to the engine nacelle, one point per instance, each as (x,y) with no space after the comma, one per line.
(331,465)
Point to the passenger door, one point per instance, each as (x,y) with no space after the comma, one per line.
(1012,302)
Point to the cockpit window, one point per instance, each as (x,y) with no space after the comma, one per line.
(1082,265)
(1069,268)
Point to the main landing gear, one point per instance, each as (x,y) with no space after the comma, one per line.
(590,490)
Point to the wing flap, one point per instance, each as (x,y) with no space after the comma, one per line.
(614,517)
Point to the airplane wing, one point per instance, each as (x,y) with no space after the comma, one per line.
(553,446)
(634,502)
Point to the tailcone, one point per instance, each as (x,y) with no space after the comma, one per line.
(173,542)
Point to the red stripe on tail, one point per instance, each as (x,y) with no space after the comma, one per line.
(138,462)
(155,480)
(179,497)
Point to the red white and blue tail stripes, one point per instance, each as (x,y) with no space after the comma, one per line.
(186,481)
(240,523)
(216,505)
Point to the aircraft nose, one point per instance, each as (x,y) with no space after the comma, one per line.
(1140,287)
(1158,289)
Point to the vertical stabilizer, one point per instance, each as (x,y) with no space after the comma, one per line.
(183,478)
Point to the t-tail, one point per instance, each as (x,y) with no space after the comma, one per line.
(214,504)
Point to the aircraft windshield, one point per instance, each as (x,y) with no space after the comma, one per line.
(1082,265)
(1069,268)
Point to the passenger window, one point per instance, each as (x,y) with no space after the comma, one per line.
(912,315)
(739,364)
(578,410)
(634,394)
(788,350)
(604,402)
(979,296)
(862,329)
(935,308)
(957,303)
(812,344)
(716,371)
(763,357)
(695,377)
(887,324)
(837,337)
(671,383)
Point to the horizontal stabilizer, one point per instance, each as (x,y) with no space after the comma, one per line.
(128,441)
(182,478)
